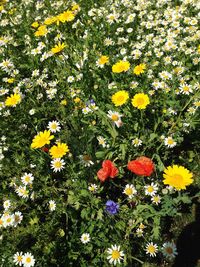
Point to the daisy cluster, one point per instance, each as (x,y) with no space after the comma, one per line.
(100,112)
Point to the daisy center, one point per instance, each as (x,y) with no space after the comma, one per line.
(129,191)
(170,141)
(150,189)
(19,258)
(186,89)
(169,250)
(151,249)
(54,126)
(115,117)
(28,260)
(86,158)
(27,179)
(8,220)
(115,254)
(57,164)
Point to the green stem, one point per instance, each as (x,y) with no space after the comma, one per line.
(137,260)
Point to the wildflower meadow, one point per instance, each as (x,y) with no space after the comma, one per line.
(99,143)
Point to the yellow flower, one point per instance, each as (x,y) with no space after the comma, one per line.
(10,80)
(41,31)
(120,98)
(13,100)
(75,7)
(139,69)
(140,101)
(49,21)
(77,100)
(63,102)
(58,48)
(103,60)
(121,66)
(41,139)
(35,24)
(198,49)
(177,176)
(66,16)
(59,150)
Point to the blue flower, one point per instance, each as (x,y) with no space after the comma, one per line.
(112,207)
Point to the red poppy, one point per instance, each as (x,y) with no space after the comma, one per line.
(108,170)
(141,166)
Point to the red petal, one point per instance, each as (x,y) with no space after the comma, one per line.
(102,174)
(114,172)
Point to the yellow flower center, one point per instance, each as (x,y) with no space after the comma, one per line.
(115,117)
(186,89)
(57,164)
(8,220)
(120,98)
(170,141)
(150,189)
(19,258)
(140,101)
(178,177)
(129,191)
(151,249)
(27,179)
(28,259)
(156,199)
(54,126)
(115,255)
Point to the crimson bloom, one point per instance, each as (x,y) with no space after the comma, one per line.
(142,166)
(108,170)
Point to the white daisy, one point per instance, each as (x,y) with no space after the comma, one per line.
(156,199)
(130,190)
(18,218)
(101,141)
(169,142)
(28,260)
(86,160)
(6,204)
(151,249)
(92,188)
(150,190)
(185,89)
(22,191)
(52,205)
(85,238)
(57,164)
(17,258)
(54,126)
(8,219)
(70,79)
(136,142)
(115,254)
(169,250)
(139,232)
(27,178)
(115,117)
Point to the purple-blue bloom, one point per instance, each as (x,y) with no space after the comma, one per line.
(112,207)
